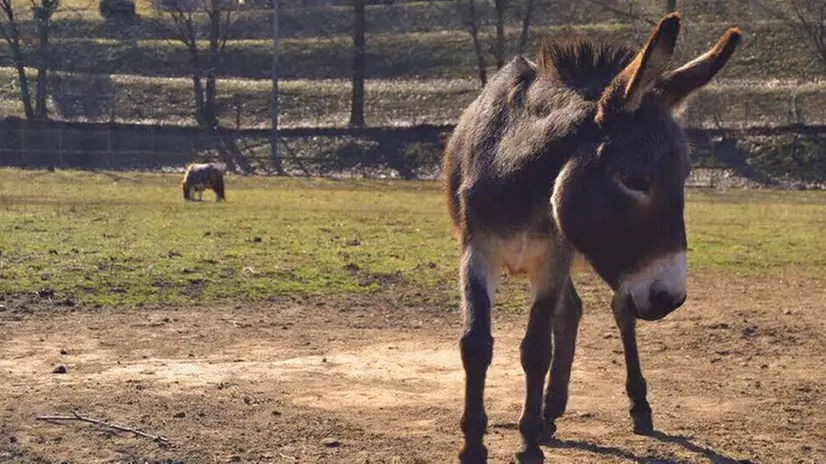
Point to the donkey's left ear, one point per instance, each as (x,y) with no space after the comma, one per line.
(626,91)
(676,85)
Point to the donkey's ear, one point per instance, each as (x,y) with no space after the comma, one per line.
(678,84)
(626,91)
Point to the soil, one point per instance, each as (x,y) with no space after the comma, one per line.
(737,375)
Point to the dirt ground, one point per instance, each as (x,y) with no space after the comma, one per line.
(737,375)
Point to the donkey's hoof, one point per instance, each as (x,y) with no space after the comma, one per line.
(530,454)
(643,423)
(473,455)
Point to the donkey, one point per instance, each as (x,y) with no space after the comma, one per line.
(577,153)
(199,177)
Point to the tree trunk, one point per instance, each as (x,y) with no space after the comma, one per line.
(477,46)
(197,85)
(198,90)
(499,50)
(12,35)
(40,110)
(276,37)
(670,5)
(25,95)
(210,106)
(359,59)
(526,24)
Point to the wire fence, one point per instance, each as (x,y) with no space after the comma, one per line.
(784,155)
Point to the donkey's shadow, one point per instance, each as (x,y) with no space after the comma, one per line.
(713,456)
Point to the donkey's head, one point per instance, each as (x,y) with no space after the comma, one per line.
(619,199)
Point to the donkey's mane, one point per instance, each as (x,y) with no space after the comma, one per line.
(581,64)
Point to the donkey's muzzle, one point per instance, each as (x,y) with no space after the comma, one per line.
(662,304)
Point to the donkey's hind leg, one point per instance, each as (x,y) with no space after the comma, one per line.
(635,385)
(478,275)
(565,326)
(536,352)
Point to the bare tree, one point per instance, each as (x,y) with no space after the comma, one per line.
(526,24)
(203,61)
(11,32)
(499,7)
(670,5)
(808,18)
(359,63)
(473,29)
(42,10)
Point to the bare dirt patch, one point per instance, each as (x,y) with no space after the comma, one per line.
(735,376)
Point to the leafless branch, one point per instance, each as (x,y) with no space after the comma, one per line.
(77,417)
(807,18)
(11,34)
(604,5)
(225,32)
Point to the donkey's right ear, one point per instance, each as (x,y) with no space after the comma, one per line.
(678,84)
(625,92)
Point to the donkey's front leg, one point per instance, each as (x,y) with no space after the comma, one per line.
(565,326)
(478,285)
(635,384)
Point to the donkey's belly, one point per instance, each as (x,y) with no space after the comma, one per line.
(524,253)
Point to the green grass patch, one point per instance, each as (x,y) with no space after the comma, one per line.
(105,239)
(82,235)
(748,233)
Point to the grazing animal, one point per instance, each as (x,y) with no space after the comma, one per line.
(199,177)
(578,153)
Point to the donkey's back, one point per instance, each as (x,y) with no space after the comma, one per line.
(499,162)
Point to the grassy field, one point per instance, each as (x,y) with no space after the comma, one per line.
(98,238)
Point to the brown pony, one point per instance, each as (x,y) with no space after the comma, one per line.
(577,153)
(199,177)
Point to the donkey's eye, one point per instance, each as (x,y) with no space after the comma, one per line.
(636,183)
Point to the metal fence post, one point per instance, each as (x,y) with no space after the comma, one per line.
(109,148)
(60,147)
(236,99)
(22,147)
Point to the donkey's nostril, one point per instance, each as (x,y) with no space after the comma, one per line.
(662,300)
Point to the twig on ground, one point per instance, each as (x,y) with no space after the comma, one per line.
(77,417)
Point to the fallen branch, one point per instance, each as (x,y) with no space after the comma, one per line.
(77,417)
